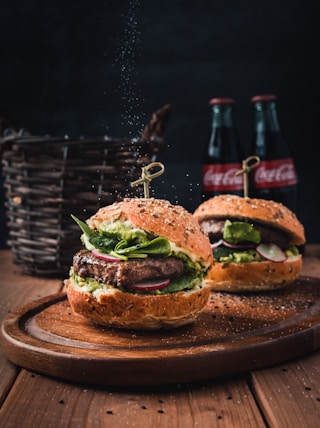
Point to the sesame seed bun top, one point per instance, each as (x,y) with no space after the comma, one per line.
(264,211)
(160,218)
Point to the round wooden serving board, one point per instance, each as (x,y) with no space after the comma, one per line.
(235,333)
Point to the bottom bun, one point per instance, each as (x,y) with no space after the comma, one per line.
(253,276)
(138,312)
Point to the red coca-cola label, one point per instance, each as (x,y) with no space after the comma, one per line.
(221,177)
(275,173)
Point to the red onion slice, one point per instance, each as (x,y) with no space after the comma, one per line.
(150,285)
(239,246)
(104,256)
(216,244)
(229,245)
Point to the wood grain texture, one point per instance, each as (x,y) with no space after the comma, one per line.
(234,334)
(311,267)
(277,390)
(16,289)
(226,402)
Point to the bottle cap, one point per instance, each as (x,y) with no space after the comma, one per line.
(214,101)
(263,98)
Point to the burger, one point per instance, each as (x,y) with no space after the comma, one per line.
(255,243)
(142,266)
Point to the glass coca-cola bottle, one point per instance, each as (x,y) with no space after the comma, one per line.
(223,154)
(275,177)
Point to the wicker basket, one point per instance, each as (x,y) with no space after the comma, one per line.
(46,179)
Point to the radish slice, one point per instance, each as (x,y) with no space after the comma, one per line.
(216,244)
(104,256)
(271,252)
(150,285)
(227,244)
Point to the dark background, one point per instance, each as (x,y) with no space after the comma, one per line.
(94,68)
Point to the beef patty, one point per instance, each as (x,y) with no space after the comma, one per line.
(214,229)
(120,274)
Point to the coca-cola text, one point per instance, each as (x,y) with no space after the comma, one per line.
(275,173)
(221,177)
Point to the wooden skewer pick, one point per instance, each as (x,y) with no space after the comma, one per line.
(248,164)
(146,177)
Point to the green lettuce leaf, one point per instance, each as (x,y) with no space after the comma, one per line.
(119,240)
(237,232)
(157,246)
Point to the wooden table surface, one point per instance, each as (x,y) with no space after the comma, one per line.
(286,395)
